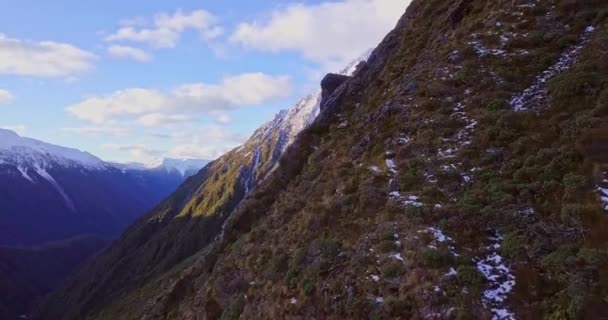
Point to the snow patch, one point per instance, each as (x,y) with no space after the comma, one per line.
(411,200)
(375,169)
(603,192)
(44,174)
(452,272)
(397,256)
(500,278)
(391,165)
(438,235)
(403,139)
(257,157)
(24,174)
(535,96)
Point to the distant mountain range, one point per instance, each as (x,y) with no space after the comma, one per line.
(50,193)
(185,167)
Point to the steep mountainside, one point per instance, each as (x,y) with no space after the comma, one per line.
(75,192)
(26,275)
(459,174)
(189,219)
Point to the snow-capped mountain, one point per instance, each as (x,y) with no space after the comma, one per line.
(26,152)
(186,167)
(201,206)
(49,192)
(288,123)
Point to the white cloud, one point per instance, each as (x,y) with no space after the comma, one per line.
(158,119)
(136,54)
(191,99)
(166,29)
(330,33)
(194,151)
(6,96)
(207,142)
(222,118)
(43,59)
(137,152)
(100,130)
(18,128)
(209,134)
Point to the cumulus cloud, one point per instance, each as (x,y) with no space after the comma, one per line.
(43,59)
(6,96)
(100,130)
(330,33)
(157,119)
(166,29)
(137,152)
(151,106)
(208,142)
(194,151)
(127,52)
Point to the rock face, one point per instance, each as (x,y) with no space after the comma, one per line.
(329,84)
(439,200)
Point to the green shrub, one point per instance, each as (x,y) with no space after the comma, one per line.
(396,307)
(234,310)
(514,245)
(308,286)
(573,89)
(299,257)
(330,248)
(280,263)
(560,261)
(388,246)
(498,104)
(436,258)
(470,276)
(291,278)
(572,211)
(392,270)
(573,185)
(577,292)
(594,258)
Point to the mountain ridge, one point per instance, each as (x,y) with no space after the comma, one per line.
(80,193)
(422,190)
(196,211)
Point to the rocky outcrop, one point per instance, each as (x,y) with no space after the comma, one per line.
(329,84)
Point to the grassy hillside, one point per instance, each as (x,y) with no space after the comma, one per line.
(180,226)
(454,176)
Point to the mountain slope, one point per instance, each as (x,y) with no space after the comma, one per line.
(455,175)
(27,274)
(75,192)
(189,219)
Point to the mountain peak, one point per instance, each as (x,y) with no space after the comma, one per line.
(5,133)
(183,165)
(23,151)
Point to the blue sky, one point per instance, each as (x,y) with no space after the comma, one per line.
(139,80)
